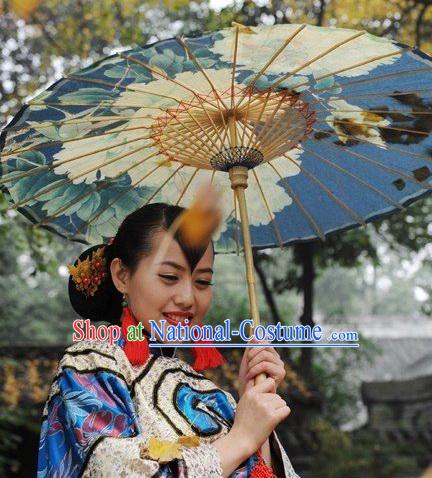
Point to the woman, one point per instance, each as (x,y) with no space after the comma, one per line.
(127,410)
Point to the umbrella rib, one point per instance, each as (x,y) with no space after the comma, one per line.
(95,119)
(352,67)
(163,184)
(356,178)
(382,94)
(48,144)
(259,117)
(260,137)
(270,61)
(367,80)
(312,222)
(236,41)
(361,140)
(164,75)
(316,58)
(70,179)
(212,122)
(118,86)
(118,196)
(98,188)
(352,213)
(192,56)
(391,169)
(202,129)
(276,230)
(52,166)
(187,185)
(402,112)
(187,144)
(392,128)
(101,104)
(186,159)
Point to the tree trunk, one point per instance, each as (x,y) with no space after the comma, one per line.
(306,253)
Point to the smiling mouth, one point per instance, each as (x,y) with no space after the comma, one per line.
(176,320)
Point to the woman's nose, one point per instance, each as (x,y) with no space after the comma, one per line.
(184,296)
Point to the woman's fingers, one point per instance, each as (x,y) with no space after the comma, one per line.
(269,368)
(264,356)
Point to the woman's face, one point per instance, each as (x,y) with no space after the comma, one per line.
(162,285)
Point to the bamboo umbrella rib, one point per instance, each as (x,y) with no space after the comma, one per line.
(212,122)
(202,129)
(352,67)
(373,79)
(260,137)
(310,219)
(270,61)
(98,188)
(116,197)
(356,178)
(382,94)
(259,116)
(70,179)
(52,166)
(212,176)
(187,143)
(236,40)
(95,81)
(276,232)
(279,143)
(242,141)
(402,112)
(390,169)
(192,56)
(163,184)
(164,75)
(187,185)
(74,121)
(187,140)
(101,104)
(365,123)
(352,213)
(316,58)
(388,147)
(272,133)
(180,154)
(48,144)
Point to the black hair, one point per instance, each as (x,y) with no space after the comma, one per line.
(132,242)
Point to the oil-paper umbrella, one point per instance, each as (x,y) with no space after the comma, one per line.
(304,130)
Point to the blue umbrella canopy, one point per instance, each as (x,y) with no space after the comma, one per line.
(331,125)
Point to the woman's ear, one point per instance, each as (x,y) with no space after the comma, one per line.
(120,275)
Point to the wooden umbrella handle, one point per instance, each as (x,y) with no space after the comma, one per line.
(239,177)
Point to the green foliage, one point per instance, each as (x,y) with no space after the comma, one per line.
(341,454)
(336,379)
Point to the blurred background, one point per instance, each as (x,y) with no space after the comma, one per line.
(363,412)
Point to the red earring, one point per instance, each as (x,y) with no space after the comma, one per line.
(137,351)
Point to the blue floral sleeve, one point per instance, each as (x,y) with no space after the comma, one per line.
(84,408)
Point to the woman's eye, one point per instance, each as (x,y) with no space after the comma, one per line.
(205,282)
(169,277)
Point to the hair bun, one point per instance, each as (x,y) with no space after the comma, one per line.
(98,299)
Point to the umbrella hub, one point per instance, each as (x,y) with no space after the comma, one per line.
(221,130)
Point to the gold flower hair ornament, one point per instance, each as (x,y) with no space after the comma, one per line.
(89,273)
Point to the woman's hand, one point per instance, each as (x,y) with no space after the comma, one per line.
(258,360)
(258,412)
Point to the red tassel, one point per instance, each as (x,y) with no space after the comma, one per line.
(206,357)
(261,469)
(137,351)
